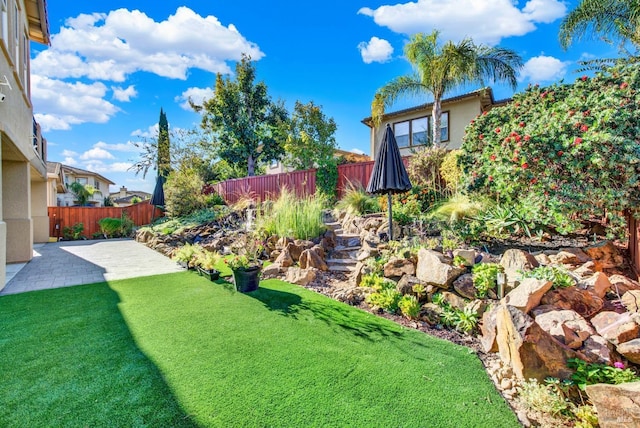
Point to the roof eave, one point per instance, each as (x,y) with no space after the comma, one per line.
(38,21)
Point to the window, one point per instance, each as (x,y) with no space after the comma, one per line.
(5,23)
(274,163)
(25,59)
(82,180)
(96,184)
(417,132)
(16,37)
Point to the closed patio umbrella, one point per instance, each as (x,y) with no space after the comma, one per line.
(389,174)
(157,198)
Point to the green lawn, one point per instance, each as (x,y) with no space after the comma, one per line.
(179,351)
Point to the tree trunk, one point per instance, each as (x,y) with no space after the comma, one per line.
(251,166)
(436,114)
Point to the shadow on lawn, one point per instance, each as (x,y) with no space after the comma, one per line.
(71,360)
(334,314)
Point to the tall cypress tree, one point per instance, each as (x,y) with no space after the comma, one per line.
(164,157)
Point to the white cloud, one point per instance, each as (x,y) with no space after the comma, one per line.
(357,151)
(197,95)
(375,50)
(96,153)
(69,161)
(150,132)
(124,94)
(544,69)
(120,147)
(69,153)
(105,168)
(69,103)
(112,46)
(486,21)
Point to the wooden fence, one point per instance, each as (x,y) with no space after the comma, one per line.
(634,242)
(60,217)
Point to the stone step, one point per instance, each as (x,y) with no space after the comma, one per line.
(348,240)
(341,262)
(343,248)
(341,268)
(333,225)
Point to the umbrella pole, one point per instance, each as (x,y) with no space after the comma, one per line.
(390,218)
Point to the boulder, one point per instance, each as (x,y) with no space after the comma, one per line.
(631,300)
(311,259)
(616,328)
(566,326)
(406,283)
(579,255)
(586,270)
(274,270)
(469,256)
(434,269)
(566,258)
(284,258)
(304,243)
(349,294)
(618,406)
(430,313)
(606,253)
(384,229)
(464,286)
(282,242)
(527,295)
(598,284)
(582,301)
(528,349)
(488,329)
(514,260)
(319,250)
(296,275)
(454,300)
(294,250)
(360,270)
(630,350)
(621,284)
(328,241)
(397,267)
(597,349)
(542,259)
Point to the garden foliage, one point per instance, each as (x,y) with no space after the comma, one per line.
(571,148)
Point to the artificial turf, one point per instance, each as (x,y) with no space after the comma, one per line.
(179,351)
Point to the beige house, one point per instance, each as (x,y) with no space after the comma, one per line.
(412,126)
(60,177)
(126,197)
(23,193)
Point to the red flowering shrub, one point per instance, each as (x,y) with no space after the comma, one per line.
(572,149)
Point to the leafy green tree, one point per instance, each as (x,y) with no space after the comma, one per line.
(248,127)
(311,137)
(83,193)
(164,146)
(441,68)
(183,192)
(570,150)
(617,18)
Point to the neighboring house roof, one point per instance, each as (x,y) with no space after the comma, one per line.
(79,171)
(486,100)
(351,156)
(38,21)
(54,170)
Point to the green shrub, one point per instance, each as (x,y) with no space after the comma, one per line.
(485,277)
(357,202)
(116,227)
(572,146)
(543,398)
(327,178)
(592,373)
(187,254)
(206,259)
(559,277)
(74,232)
(424,167)
(409,306)
(387,300)
(450,171)
(183,193)
(375,281)
(292,217)
(464,321)
(458,207)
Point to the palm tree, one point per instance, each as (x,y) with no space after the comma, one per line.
(618,18)
(439,69)
(82,193)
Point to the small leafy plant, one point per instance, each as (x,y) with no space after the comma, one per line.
(464,321)
(459,261)
(386,300)
(207,260)
(485,277)
(187,254)
(559,277)
(74,232)
(591,373)
(409,306)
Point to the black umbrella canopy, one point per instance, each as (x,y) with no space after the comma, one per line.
(157,198)
(389,174)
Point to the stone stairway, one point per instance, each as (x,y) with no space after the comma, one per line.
(343,258)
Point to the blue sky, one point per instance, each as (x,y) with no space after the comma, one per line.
(112,65)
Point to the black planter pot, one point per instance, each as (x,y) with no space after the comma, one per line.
(211,274)
(247,279)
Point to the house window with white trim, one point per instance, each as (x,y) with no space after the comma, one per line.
(5,23)
(414,132)
(16,37)
(444,126)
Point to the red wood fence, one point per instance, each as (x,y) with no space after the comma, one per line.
(634,242)
(140,214)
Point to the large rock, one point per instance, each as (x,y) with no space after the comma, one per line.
(488,329)
(454,300)
(434,269)
(406,284)
(311,259)
(618,406)
(582,301)
(631,300)
(284,258)
(294,250)
(296,275)
(513,261)
(566,326)
(630,350)
(597,349)
(469,256)
(606,254)
(598,284)
(616,328)
(274,270)
(384,229)
(464,286)
(621,284)
(528,349)
(527,295)
(397,267)
(431,313)
(564,257)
